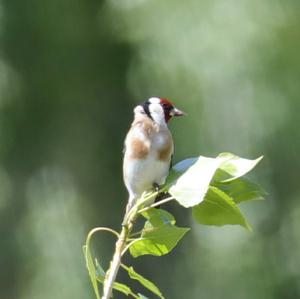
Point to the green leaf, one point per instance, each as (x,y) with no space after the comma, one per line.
(100,273)
(177,170)
(141,296)
(158,217)
(123,288)
(143,281)
(234,167)
(241,190)
(184,165)
(91,269)
(159,236)
(158,241)
(191,187)
(219,209)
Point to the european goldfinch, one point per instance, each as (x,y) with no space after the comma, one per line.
(148,147)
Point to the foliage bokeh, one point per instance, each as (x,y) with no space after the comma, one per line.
(70,74)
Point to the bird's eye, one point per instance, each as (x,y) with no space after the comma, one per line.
(167,107)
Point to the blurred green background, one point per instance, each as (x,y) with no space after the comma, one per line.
(71,73)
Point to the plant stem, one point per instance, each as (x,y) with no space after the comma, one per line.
(121,244)
(158,203)
(97,229)
(116,261)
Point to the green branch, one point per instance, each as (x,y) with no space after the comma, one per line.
(212,187)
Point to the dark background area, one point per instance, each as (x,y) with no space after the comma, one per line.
(71,73)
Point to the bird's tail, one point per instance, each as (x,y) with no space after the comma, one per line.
(131,201)
(129,206)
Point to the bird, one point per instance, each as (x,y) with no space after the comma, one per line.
(148,147)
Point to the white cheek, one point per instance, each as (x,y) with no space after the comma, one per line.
(157,114)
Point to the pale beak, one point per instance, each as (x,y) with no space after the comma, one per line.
(177,112)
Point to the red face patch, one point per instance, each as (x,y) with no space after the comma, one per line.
(166,102)
(167,106)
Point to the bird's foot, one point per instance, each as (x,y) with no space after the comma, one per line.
(156,187)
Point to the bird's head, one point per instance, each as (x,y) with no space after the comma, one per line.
(160,110)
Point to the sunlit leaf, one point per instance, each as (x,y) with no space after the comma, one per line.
(178,169)
(191,187)
(219,209)
(158,241)
(234,167)
(241,189)
(91,269)
(144,281)
(141,296)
